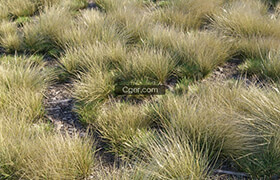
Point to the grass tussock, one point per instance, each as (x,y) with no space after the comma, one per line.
(186,15)
(125,17)
(87,28)
(264,67)
(245,19)
(90,56)
(173,150)
(10,38)
(262,118)
(207,51)
(110,5)
(22,85)
(198,53)
(29,148)
(217,127)
(254,30)
(91,94)
(41,35)
(34,152)
(175,158)
(4,12)
(26,8)
(124,127)
(155,65)
(21,8)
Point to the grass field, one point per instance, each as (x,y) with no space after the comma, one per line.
(219,117)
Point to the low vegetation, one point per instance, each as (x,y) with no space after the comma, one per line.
(29,147)
(198,126)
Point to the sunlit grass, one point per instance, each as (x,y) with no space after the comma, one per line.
(187,15)
(197,52)
(29,148)
(153,64)
(90,56)
(122,125)
(41,35)
(91,94)
(195,128)
(10,38)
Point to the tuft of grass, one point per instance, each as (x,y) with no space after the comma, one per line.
(22,82)
(20,8)
(265,67)
(30,149)
(33,152)
(254,31)
(74,5)
(173,156)
(206,51)
(26,8)
(217,129)
(41,35)
(261,108)
(98,55)
(197,53)
(124,127)
(109,5)
(256,47)
(153,64)
(125,17)
(4,11)
(186,15)
(89,27)
(9,36)
(23,72)
(245,19)
(91,94)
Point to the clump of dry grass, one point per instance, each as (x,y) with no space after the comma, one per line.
(206,50)
(245,19)
(164,38)
(4,12)
(261,108)
(34,151)
(256,47)
(256,110)
(198,53)
(9,36)
(255,32)
(24,8)
(98,55)
(91,94)
(41,35)
(74,5)
(21,7)
(113,5)
(264,67)
(89,27)
(122,125)
(22,84)
(155,65)
(173,156)
(217,126)
(125,17)
(186,15)
(109,5)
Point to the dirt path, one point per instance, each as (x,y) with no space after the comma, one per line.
(59,105)
(229,70)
